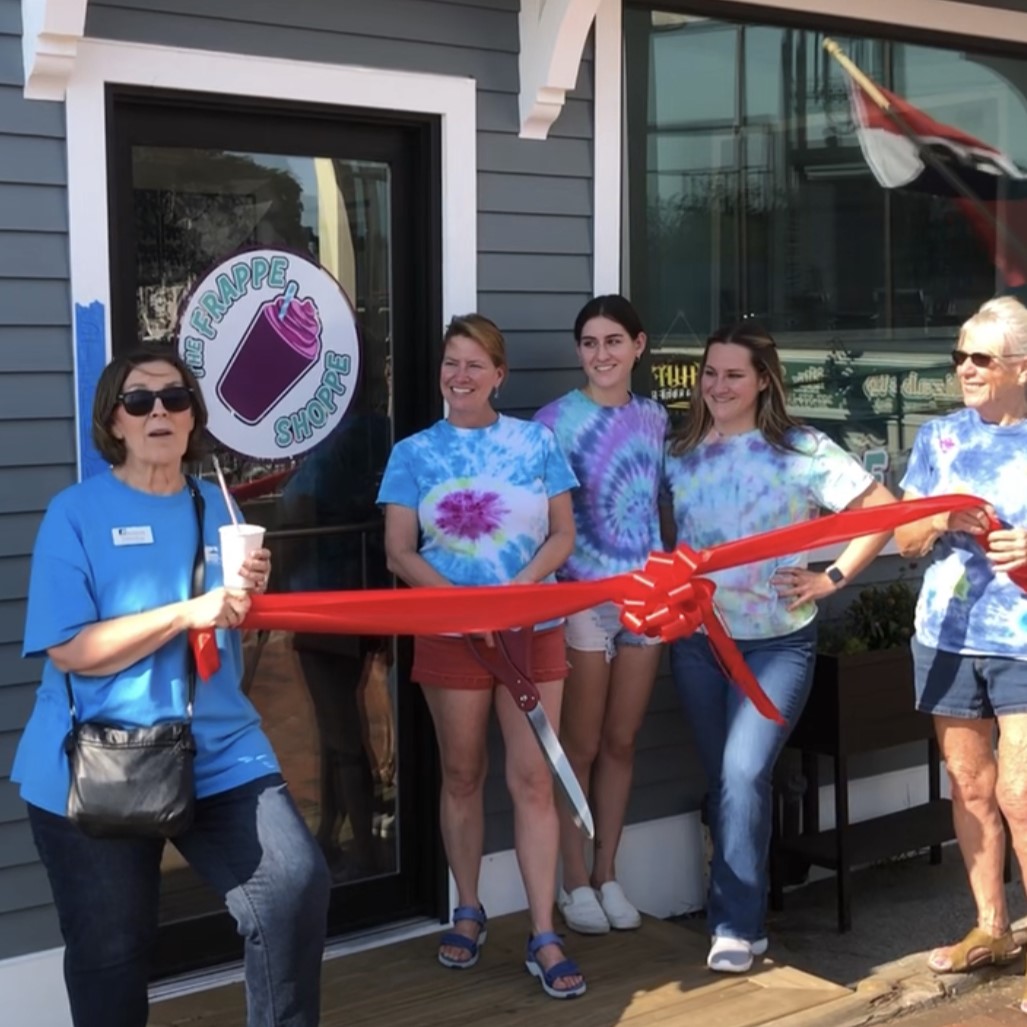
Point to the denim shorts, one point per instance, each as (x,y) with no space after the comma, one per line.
(599,630)
(969,687)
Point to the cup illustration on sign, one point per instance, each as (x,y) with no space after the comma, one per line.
(282,343)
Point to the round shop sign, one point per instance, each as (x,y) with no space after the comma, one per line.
(272,339)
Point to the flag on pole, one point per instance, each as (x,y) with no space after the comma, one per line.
(990,174)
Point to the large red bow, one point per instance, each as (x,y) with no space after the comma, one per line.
(675,604)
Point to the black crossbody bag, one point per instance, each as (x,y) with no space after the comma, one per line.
(136,782)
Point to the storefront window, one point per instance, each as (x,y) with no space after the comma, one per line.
(327,701)
(749,196)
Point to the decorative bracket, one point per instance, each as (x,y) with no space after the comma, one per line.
(51,30)
(553,34)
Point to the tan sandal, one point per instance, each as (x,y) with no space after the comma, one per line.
(977,949)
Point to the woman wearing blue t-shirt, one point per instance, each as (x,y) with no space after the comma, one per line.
(483,499)
(109,605)
(739,466)
(614,442)
(970,647)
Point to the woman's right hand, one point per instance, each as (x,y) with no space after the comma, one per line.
(218,608)
(973,522)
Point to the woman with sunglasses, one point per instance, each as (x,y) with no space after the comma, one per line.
(741,465)
(970,646)
(110,606)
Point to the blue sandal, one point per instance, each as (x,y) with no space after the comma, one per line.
(456,940)
(565,968)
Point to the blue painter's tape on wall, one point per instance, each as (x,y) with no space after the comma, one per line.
(90,357)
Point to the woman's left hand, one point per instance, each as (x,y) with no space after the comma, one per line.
(257,568)
(1007,549)
(800,586)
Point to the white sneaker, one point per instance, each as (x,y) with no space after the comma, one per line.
(621,914)
(582,912)
(734,955)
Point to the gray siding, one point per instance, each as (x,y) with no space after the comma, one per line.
(534,198)
(37,444)
(535,269)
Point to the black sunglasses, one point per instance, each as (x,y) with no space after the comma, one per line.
(960,356)
(140,402)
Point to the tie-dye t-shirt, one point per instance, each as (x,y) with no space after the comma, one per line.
(727,488)
(964,606)
(481,495)
(617,455)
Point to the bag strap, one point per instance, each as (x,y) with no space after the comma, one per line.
(198,587)
(199,584)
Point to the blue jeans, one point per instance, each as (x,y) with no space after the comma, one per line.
(251,844)
(738,748)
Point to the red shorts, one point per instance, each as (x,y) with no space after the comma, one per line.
(442,661)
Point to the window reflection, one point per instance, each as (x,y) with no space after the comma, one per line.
(327,701)
(749,196)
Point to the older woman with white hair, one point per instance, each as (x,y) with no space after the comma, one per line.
(970,646)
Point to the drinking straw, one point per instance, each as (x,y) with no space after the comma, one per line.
(224,489)
(287,297)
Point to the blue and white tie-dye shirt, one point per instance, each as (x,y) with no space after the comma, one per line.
(617,455)
(727,488)
(481,495)
(964,606)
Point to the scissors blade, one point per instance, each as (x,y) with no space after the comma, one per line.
(563,773)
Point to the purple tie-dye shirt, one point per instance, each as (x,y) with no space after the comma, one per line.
(617,455)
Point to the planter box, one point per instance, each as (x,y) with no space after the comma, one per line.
(860,702)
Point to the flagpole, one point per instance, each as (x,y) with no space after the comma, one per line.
(925,153)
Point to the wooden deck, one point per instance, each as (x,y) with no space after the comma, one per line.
(654,976)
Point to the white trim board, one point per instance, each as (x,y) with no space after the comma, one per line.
(100,63)
(607,72)
(948,16)
(659,862)
(33,989)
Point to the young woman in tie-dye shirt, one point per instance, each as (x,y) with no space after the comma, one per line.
(741,465)
(483,499)
(614,441)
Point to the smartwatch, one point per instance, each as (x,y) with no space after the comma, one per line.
(835,575)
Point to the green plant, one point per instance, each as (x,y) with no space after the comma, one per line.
(880,617)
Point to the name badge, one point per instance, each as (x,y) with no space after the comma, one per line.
(137,536)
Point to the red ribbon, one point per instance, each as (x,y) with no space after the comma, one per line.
(247,490)
(666,598)
(205,653)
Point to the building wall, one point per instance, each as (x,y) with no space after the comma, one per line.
(37,445)
(534,198)
(535,232)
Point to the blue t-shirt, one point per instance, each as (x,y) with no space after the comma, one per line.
(964,605)
(617,455)
(105,550)
(727,488)
(481,495)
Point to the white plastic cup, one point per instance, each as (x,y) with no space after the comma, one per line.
(237,542)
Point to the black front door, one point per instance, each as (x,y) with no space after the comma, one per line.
(194,180)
